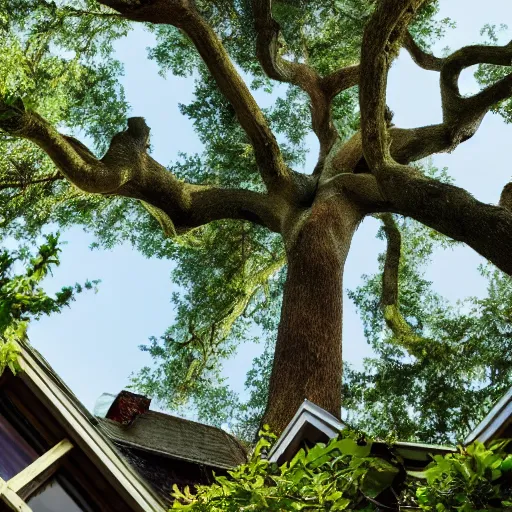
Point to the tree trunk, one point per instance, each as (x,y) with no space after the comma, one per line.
(308,361)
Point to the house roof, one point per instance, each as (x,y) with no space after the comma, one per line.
(312,424)
(141,452)
(178,438)
(81,427)
(495,423)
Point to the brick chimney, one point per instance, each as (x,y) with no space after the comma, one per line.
(127,406)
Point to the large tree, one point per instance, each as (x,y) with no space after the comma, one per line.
(244,198)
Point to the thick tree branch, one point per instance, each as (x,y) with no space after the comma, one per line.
(128,170)
(183,15)
(424,59)
(321,90)
(381,40)
(339,80)
(461,115)
(448,209)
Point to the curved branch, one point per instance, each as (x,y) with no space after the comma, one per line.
(321,90)
(339,80)
(461,115)
(381,39)
(392,261)
(403,333)
(446,208)
(422,58)
(128,170)
(183,15)
(454,104)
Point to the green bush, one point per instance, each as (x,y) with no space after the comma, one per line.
(343,475)
(476,478)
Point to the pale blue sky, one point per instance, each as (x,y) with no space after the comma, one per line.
(93,345)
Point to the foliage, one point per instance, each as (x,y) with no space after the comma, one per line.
(346,475)
(229,278)
(439,393)
(336,476)
(22,298)
(475,478)
(59,58)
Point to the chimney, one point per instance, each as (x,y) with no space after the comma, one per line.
(127,406)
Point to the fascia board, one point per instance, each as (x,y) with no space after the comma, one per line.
(424,446)
(493,421)
(101,451)
(308,413)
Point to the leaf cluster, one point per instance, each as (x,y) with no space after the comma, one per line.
(230,277)
(337,476)
(478,477)
(346,475)
(22,297)
(438,393)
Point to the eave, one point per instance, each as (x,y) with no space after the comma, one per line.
(79,425)
(495,423)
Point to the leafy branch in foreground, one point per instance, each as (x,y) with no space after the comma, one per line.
(22,298)
(345,475)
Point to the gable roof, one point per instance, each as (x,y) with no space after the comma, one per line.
(312,424)
(80,425)
(177,438)
(495,423)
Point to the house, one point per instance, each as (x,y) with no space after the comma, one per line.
(312,424)
(55,456)
(497,424)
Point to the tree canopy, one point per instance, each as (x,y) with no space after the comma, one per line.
(244,223)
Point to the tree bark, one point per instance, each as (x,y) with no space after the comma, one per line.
(308,356)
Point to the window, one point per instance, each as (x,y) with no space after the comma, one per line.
(21,468)
(15,453)
(54,498)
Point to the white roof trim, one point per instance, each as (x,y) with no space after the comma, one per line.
(498,415)
(95,444)
(424,446)
(308,413)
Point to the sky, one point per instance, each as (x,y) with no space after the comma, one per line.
(93,345)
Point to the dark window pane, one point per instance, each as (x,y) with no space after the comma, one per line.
(54,498)
(15,453)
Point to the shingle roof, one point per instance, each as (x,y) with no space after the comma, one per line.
(178,438)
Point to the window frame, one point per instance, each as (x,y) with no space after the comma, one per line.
(97,470)
(45,465)
(50,462)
